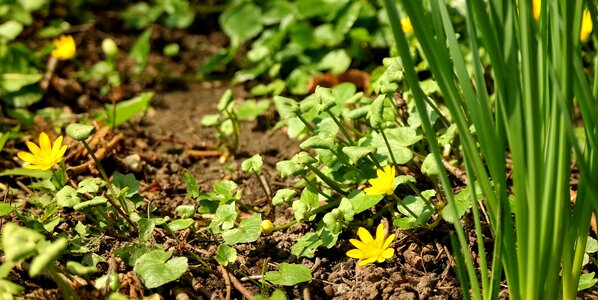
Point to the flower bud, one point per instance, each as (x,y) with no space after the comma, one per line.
(109,47)
(266,227)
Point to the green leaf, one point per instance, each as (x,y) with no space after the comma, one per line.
(306,203)
(253,164)
(140,50)
(180,224)
(127,109)
(90,185)
(5,209)
(289,274)
(241,22)
(9,30)
(591,245)
(155,268)
(336,61)
(210,120)
(317,142)
(288,168)
(10,288)
(225,187)
(126,181)
(429,166)
(283,196)
(42,174)
(146,229)
(185,211)
(401,154)
(78,269)
(131,253)
(67,197)
(24,97)
(248,231)
(307,245)
(79,132)
(251,109)
(403,136)
(586,281)
(97,200)
(224,218)
(225,100)
(225,255)
(375,115)
(463,203)
(286,107)
(356,153)
(19,243)
(47,255)
(417,205)
(191,184)
(361,202)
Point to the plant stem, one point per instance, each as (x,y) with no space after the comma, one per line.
(327,180)
(312,185)
(341,127)
(392,156)
(309,126)
(396,198)
(110,188)
(309,214)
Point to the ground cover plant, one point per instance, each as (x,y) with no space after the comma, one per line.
(298,149)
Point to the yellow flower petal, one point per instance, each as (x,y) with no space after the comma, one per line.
(586,26)
(364,235)
(26,156)
(33,148)
(355,253)
(406,25)
(358,244)
(44,142)
(379,235)
(387,253)
(388,241)
(65,47)
(57,144)
(367,261)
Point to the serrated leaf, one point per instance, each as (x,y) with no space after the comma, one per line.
(401,154)
(289,274)
(155,269)
(225,255)
(288,168)
(248,231)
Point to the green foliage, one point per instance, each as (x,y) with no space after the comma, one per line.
(156,268)
(289,274)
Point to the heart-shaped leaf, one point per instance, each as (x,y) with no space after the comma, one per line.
(155,269)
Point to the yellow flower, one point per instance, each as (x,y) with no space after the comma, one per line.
(384,184)
(371,250)
(406,25)
(45,156)
(536,5)
(65,47)
(586,26)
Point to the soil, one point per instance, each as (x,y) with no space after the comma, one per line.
(164,139)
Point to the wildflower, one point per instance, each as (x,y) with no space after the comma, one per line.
(384,184)
(406,25)
(65,47)
(45,156)
(586,26)
(371,250)
(536,4)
